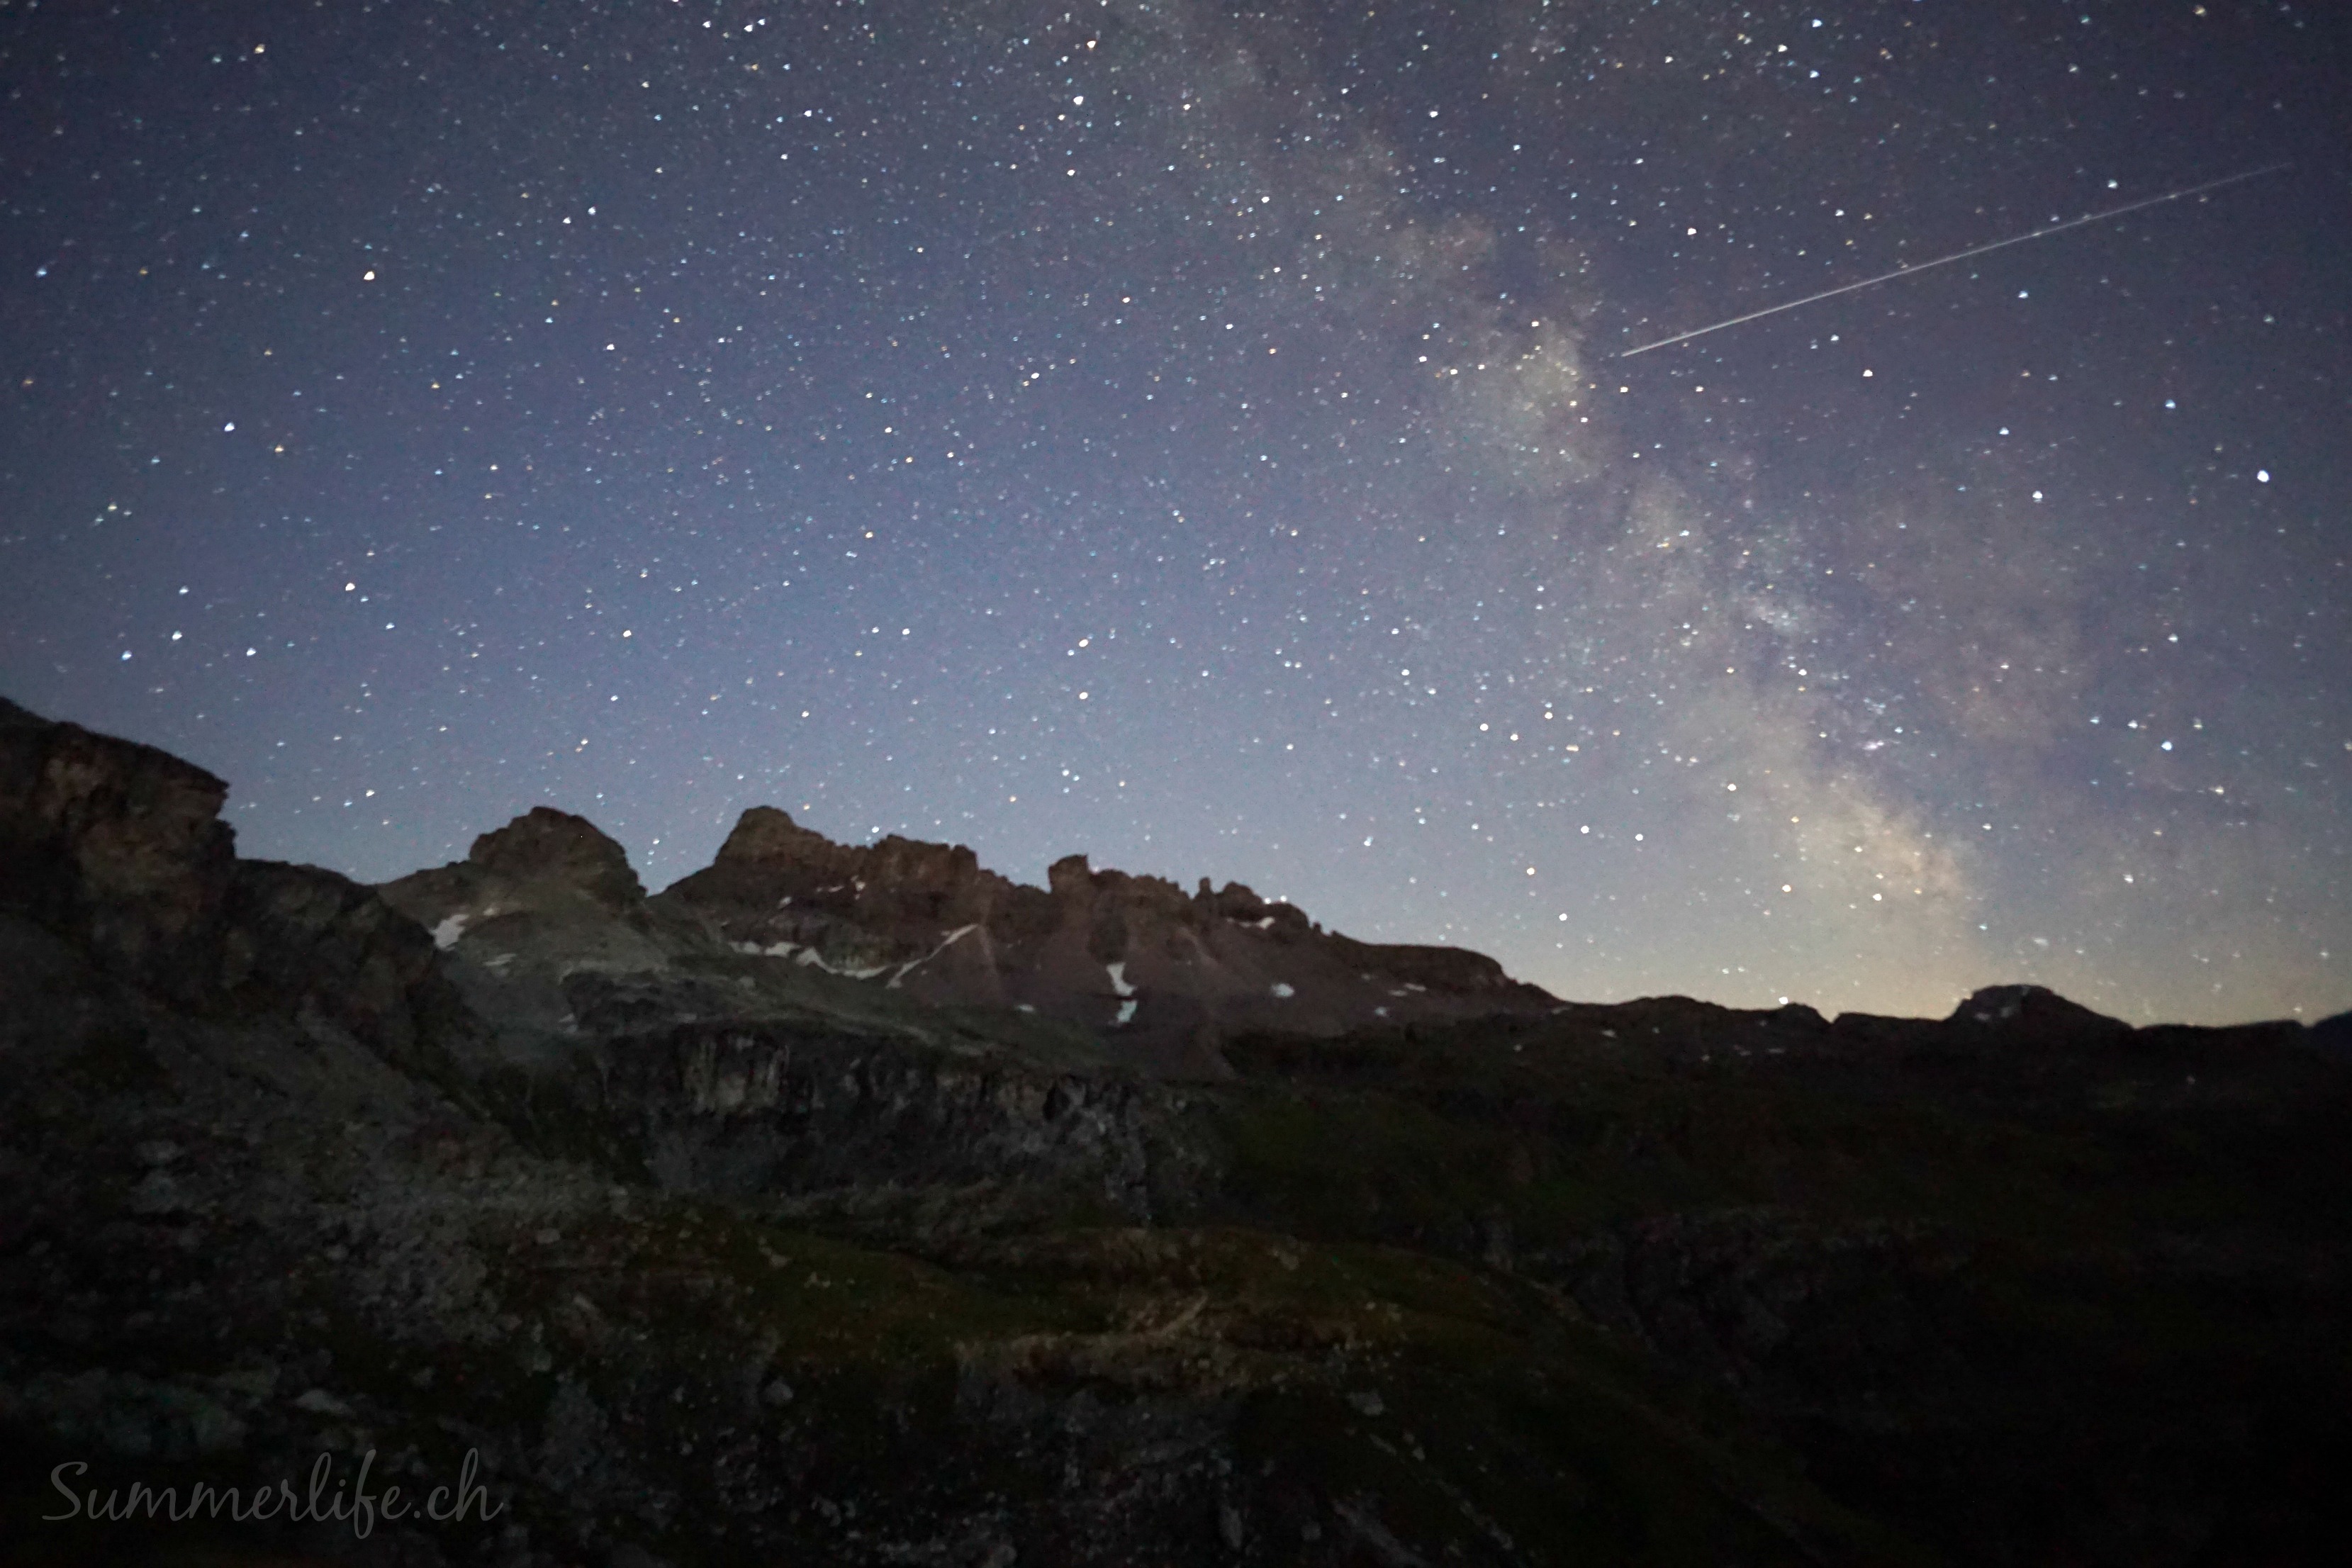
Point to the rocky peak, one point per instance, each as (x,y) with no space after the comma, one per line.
(914,862)
(117,845)
(545,844)
(1071,879)
(1236,901)
(2030,1012)
(118,848)
(767,837)
(775,881)
(1156,895)
(1132,958)
(546,897)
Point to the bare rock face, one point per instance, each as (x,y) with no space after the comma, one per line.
(311,944)
(545,844)
(1162,975)
(119,845)
(779,888)
(545,859)
(540,910)
(118,848)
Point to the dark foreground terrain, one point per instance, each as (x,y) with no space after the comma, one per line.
(847,1205)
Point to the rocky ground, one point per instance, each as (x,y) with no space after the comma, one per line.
(768,1219)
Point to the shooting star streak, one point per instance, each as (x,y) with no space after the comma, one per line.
(1960,255)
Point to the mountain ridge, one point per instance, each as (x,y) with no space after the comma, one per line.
(709,1255)
(1133,959)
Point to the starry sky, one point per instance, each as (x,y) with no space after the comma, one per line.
(1202,438)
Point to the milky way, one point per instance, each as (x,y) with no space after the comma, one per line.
(1198,438)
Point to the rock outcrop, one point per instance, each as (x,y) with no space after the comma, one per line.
(119,845)
(118,848)
(308,943)
(545,846)
(543,910)
(546,911)
(1163,975)
(546,865)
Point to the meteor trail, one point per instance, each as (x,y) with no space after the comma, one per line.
(1960,256)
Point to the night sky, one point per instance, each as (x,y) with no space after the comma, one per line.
(1198,438)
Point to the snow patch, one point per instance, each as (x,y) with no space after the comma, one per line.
(815,960)
(947,942)
(446,934)
(1283,988)
(1117,972)
(1126,1013)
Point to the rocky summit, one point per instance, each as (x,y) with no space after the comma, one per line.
(1158,979)
(855,1204)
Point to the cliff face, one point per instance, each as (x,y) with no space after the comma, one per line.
(120,846)
(710,1254)
(1163,976)
(1158,979)
(120,850)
